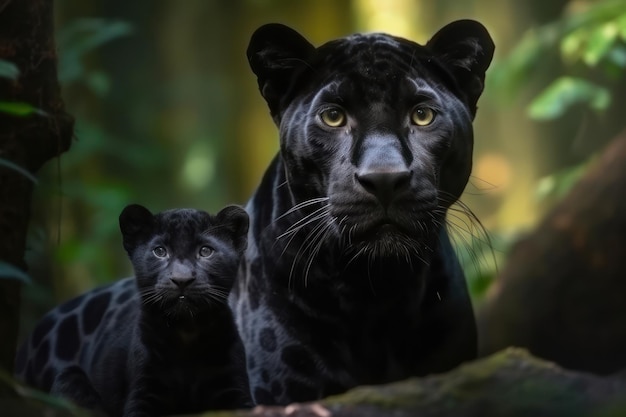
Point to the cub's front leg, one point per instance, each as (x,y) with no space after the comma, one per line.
(73,383)
(143,399)
(143,396)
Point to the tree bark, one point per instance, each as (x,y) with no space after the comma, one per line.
(562,293)
(26,40)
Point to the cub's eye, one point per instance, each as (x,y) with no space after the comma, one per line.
(205,251)
(333,117)
(159,252)
(422,116)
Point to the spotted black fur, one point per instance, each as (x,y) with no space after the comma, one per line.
(349,277)
(161,343)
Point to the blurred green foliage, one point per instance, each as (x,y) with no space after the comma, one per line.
(81,179)
(591,42)
(74,183)
(565,92)
(81,37)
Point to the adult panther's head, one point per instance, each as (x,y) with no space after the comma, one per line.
(376,128)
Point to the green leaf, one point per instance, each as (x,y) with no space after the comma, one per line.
(9,70)
(617,56)
(599,43)
(558,184)
(17,108)
(511,74)
(8,271)
(573,43)
(565,92)
(621,25)
(15,167)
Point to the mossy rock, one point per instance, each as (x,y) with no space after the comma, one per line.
(509,383)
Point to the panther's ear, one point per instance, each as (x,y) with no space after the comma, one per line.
(275,52)
(236,221)
(136,222)
(466,48)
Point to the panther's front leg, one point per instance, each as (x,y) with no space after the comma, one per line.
(285,361)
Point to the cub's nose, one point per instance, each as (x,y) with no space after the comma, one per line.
(384,185)
(182,282)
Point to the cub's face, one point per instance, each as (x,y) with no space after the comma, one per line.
(185,260)
(376,131)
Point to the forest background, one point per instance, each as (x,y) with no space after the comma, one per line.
(168,115)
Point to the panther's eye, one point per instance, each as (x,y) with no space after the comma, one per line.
(159,252)
(205,251)
(333,117)
(422,116)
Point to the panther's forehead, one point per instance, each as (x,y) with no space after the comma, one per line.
(378,39)
(374,55)
(371,66)
(180,228)
(181,222)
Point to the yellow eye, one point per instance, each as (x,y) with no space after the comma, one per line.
(333,117)
(422,116)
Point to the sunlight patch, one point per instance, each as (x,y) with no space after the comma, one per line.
(199,167)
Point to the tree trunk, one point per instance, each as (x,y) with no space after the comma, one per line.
(562,293)
(26,40)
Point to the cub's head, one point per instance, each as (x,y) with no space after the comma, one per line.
(185,260)
(377,129)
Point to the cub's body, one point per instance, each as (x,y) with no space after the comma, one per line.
(163,342)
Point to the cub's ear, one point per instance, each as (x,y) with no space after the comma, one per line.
(466,48)
(275,52)
(136,222)
(236,221)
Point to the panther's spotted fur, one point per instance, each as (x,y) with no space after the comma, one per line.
(161,343)
(349,277)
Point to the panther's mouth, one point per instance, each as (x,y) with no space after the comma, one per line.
(389,238)
(380,229)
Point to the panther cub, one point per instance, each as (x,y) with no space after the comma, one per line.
(161,343)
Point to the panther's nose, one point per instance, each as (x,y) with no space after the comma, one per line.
(384,185)
(182,282)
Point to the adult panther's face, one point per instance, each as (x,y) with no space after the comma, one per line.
(376,131)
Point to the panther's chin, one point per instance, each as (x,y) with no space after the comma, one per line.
(383,230)
(181,306)
(388,240)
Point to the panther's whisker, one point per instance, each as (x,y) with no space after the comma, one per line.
(306,244)
(295,232)
(320,242)
(301,205)
(315,215)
